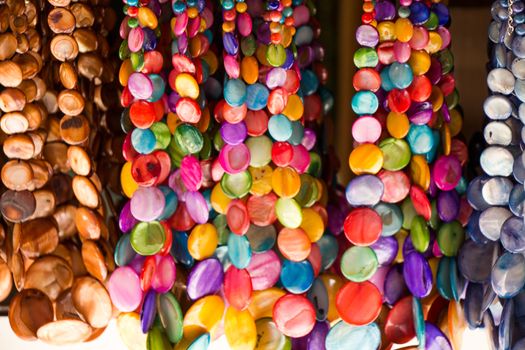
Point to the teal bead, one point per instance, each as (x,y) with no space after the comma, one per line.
(297,133)
(344,336)
(366,57)
(257,96)
(235,92)
(159,86)
(280,127)
(386,83)
(143,140)
(401,75)
(419,322)
(443,278)
(297,277)
(391,217)
(309,82)
(239,251)
(420,139)
(365,103)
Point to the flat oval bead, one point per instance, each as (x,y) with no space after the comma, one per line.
(294,315)
(497,107)
(497,161)
(264,270)
(513,235)
(364,190)
(496,191)
(418,275)
(342,334)
(358,264)
(508,275)
(205,278)
(297,277)
(491,221)
(358,304)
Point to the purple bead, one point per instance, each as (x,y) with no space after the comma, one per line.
(448,205)
(126,220)
(305,56)
(445,112)
(182,43)
(206,278)
(386,250)
(316,338)
(234,134)
(395,287)
(231,45)
(435,71)
(137,264)
(309,139)
(263,33)
(364,190)
(418,275)
(149,311)
(197,206)
(288,63)
(385,11)
(150,40)
(435,339)
(420,113)
(367,35)
(441,10)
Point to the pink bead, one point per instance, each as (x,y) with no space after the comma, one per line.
(165,273)
(402,51)
(445,37)
(191,173)
(301,15)
(234,159)
(264,269)
(124,289)
(135,39)
(301,159)
(232,66)
(180,24)
(140,86)
(244,24)
(197,207)
(176,184)
(147,203)
(366,129)
(275,78)
(419,38)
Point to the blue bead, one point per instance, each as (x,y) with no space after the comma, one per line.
(386,83)
(419,13)
(201,343)
(235,92)
(420,139)
(179,249)
(365,103)
(178,7)
(297,277)
(442,12)
(239,251)
(257,97)
(143,140)
(280,127)
(230,43)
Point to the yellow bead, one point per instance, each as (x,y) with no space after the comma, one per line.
(294,108)
(312,224)
(203,316)
(404,29)
(286,183)
(386,30)
(250,69)
(219,200)
(420,172)
(262,302)
(260,53)
(446,138)
(436,98)
(397,124)
(187,86)
(261,180)
(203,241)
(434,43)
(193,12)
(400,237)
(228,26)
(366,159)
(240,330)
(456,122)
(333,284)
(126,68)
(241,7)
(130,331)
(419,62)
(128,184)
(287,35)
(147,18)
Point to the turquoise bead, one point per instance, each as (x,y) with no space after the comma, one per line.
(143,140)
(239,251)
(401,75)
(420,139)
(235,92)
(365,103)
(280,127)
(257,96)
(344,336)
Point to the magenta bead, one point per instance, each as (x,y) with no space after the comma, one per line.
(181,24)
(232,66)
(234,159)
(165,273)
(244,24)
(191,173)
(301,159)
(446,172)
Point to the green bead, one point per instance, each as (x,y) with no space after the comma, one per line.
(396,154)
(276,55)
(133,22)
(462,185)
(366,57)
(450,237)
(206,150)
(434,216)
(248,45)
(162,135)
(307,192)
(218,142)
(419,234)
(170,315)
(221,225)
(446,58)
(408,213)
(358,264)
(236,185)
(432,22)
(452,99)
(123,51)
(189,139)
(147,238)
(403,12)
(316,167)
(176,154)
(137,61)
(157,340)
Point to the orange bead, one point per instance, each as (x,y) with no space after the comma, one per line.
(294,244)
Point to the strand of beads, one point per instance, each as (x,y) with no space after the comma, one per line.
(163,174)
(406,225)
(491,260)
(43,249)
